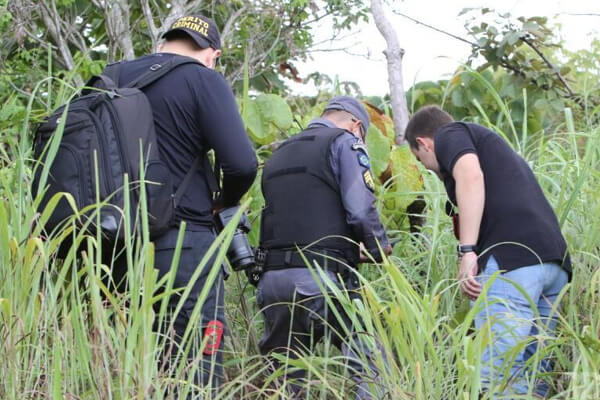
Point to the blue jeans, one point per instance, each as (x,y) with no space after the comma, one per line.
(511,320)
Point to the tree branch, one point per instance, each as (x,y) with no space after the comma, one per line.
(72,34)
(550,65)
(154,32)
(117,18)
(50,18)
(504,61)
(22,92)
(177,11)
(394,54)
(230,21)
(416,21)
(78,40)
(317,18)
(192,6)
(583,14)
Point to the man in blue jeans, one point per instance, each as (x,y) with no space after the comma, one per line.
(504,223)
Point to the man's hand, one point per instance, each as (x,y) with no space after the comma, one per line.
(365,255)
(467,271)
(388,250)
(218,206)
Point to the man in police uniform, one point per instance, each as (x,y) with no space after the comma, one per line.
(318,191)
(195,111)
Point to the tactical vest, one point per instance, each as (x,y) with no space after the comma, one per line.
(303,201)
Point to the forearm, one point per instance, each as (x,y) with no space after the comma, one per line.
(470,196)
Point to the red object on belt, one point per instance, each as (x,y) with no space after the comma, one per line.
(213,333)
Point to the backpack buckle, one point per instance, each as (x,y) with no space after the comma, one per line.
(154,67)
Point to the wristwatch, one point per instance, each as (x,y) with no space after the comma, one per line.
(462,249)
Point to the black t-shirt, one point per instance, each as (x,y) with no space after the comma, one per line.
(195,111)
(518,223)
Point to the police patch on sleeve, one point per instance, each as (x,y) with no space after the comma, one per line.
(369,183)
(360,146)
(363,160)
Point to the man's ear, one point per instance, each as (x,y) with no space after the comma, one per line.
(426,142)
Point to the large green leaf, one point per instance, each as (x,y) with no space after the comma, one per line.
(266,116)
(407,177)
(457,98)
(406,184)
(275,110)
(379,150)
(253,120)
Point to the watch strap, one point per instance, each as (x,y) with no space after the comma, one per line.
(466,248)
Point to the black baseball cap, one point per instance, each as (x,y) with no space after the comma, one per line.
(200,28)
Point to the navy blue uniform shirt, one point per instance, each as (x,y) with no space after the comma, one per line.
(358,200)
(195,111)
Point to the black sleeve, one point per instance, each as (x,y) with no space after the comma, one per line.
(451,142)
(227,136)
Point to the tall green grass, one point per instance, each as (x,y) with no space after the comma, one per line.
(64,335)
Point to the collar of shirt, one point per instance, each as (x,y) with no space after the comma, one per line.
(320,123)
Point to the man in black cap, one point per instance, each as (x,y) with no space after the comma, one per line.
(319,197)
(194,111)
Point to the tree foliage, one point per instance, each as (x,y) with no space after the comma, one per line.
(527,47)
(518,77)
(80,32)
(398,175)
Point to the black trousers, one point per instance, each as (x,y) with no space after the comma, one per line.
(196,243)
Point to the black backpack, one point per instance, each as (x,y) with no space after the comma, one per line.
(105,132)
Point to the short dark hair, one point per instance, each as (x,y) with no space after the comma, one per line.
(424,123)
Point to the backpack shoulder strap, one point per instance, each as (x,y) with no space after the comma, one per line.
(186,180)
(113,71)
(157,71)
(212,177)
(100,82)
(108,80)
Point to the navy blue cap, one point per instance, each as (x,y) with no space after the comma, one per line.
(200,28)
(352,106)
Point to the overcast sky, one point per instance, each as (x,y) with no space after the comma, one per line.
(429,54)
